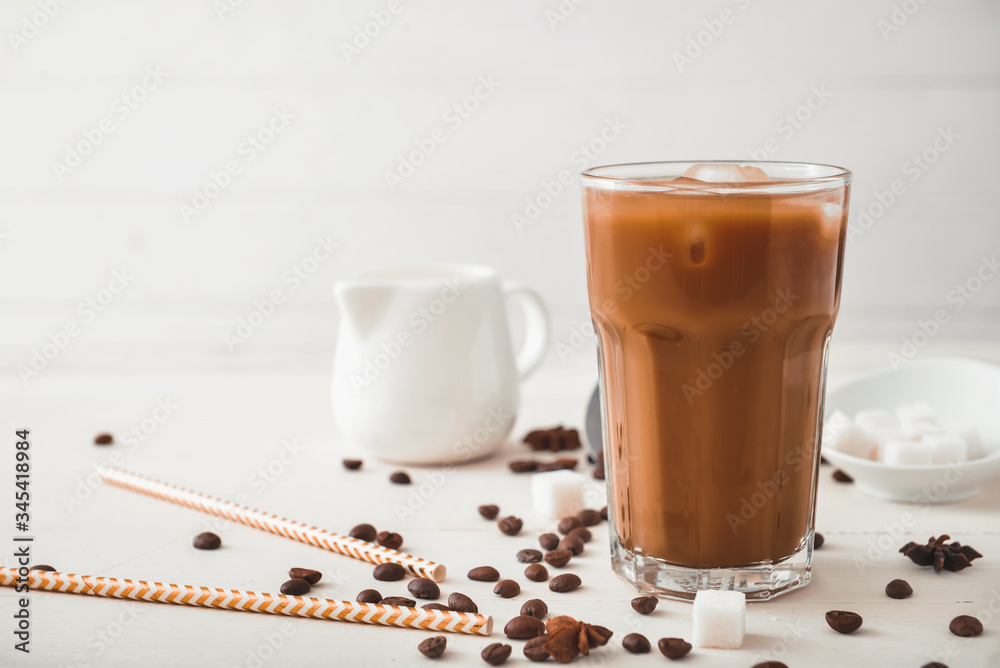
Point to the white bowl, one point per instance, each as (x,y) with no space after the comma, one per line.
(961,390)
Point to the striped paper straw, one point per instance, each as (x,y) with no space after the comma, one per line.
(352,547)
(236,599)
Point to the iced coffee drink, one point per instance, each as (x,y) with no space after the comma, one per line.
(713,290)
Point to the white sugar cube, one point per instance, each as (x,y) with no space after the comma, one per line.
(850,439)
(720,619)
(876,419)
(973,442)
(946,448)
(919,413)
(556,494)
(906,453)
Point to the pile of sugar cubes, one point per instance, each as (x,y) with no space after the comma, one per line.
(912,436)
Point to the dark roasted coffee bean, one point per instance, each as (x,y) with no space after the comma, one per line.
(435,606)
(424,588)
(489,512)
(673,648)
(770,664)
(824,461)
(368,596)
(604,513)
(644,604)
(841,476)
(966,626)
(507,589)
(524,627)
(352,464)
(484,574)
(536,608)
(523,465)
(43,567)
(599,473)
(295,587)
(399,601)
(565,582)
(636,643)
(548,541)
(529,556)
(510,525)
(589,517)
(104,439)
(843,621)
(818,540)
(572,543)
(207,541)
(558,558)
(567,524)
(534,649)
(898,589)
(388,572)
(536,573)
(462,603)
(932,664)
(582,533)
(434,647)
(496,653)
(400,478)
(393,541)
(307,574)
(364,532)
(568,463)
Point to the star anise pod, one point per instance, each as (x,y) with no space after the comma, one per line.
(553,440)
(941,555)
(568,638)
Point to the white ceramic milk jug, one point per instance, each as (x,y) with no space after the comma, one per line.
(424,370)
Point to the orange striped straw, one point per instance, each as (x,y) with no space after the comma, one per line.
(352,547)
(235,599)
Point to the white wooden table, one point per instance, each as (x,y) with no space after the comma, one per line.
(263,429)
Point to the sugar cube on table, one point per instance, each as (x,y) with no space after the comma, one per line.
(556,494)
(720,619)
(906,453)
(946,448)
(876,419)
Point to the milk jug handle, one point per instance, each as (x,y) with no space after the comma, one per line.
(536,319)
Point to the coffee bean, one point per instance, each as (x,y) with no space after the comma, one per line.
(104,439)
(604,513)
(307,574)
(534,649)
(507,589)
(966,626)
(843,621)
(400,478)
(636,643)
(352,464)
(589,517)
(524,627)
(295,587)
(496,653)
(529,556)
(932,664)
(435,606)
(364,532)
(462,603)
(536,573)
(484,574)
(565,582)
(840,476)
(207,541)
(510,525)
(489,512)
(43,567)
(549,466)
(548,541)
(523,465)
(536,608)
(434,647)
(673,648)
(572,543)
(582,533)
(769,664)
(567,524)
(424,588)
(898,589)
(818,540)
(644,604)
(599,473)
(399,601)
(393,541)
(558,558)
(368,596)
(388,572)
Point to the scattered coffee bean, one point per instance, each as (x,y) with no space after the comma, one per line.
(295,587)
(932,664)
(818,540)
(393,541)
(567,524)
(523,465)
(524,627)
(536,573)
(424,588)
(496,654)
(534,649)
(770,664)
(484,574)
(548,541)
(536,608)
(604,513)
(388,572)
(823,460)
(489,512)
(307,574)
(558,465)
(364,532)
(400,478)
(558,558)
(510,525)
(572,543)
(582,533)
(840,476)
(207,541)
(599,473)
(898,589)
(352,464)
(843,621)
(636,643)
(434,647)
(43,567)
(673,648)
(507,589)
(462,603)
(368,596)
(435,606)
(966,626)
(589,517)
(399,601)
(644,604)
(529,556)
(564,583)
(104,439)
